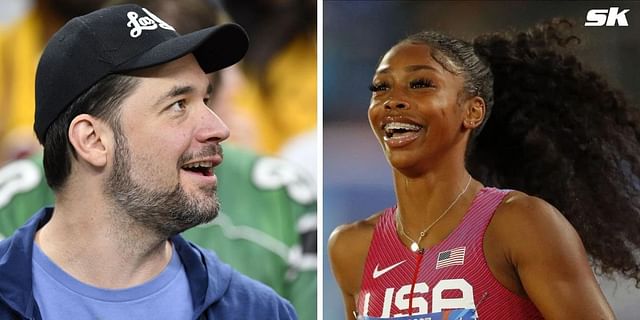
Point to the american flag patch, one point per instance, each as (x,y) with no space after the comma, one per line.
(453,257)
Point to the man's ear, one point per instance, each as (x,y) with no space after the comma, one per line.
(474,112)
(91,139)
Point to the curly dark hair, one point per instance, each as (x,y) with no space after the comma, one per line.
(558,131)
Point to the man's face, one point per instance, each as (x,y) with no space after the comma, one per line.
(163,163)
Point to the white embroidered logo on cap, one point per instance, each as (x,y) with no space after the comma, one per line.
(151,22)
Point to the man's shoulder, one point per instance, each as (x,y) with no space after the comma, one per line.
(238,283)
(255,300)
(15,267)
(6,312)
(242,285)
(238,295)
(22,238)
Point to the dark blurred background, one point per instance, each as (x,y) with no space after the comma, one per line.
(357,179)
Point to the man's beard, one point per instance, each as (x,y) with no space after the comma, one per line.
(164,212)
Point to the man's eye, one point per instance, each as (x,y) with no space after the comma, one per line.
(178,106)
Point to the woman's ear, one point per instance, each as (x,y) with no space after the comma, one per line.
(475,110)
(88,136)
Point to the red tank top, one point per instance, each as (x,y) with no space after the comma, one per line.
(451,280)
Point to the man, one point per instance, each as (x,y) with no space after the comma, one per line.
(130,147)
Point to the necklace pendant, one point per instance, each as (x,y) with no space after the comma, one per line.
(414,247)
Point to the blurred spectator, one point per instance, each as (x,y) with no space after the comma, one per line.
(281,65)
(20,48)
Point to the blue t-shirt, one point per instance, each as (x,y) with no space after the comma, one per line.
(60,296)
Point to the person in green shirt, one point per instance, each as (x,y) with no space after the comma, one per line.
(266,228)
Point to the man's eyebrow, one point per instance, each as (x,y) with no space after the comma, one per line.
(174,92)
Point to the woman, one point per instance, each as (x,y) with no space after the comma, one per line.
(453,247)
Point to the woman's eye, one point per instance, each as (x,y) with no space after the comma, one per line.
(421,83)
(376,87)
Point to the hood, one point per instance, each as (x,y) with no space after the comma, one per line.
(209,279)
(16,288)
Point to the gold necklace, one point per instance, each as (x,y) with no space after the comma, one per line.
(415,245)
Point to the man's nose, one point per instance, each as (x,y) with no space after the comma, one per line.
(211,127)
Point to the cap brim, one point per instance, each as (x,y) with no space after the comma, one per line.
(215,48)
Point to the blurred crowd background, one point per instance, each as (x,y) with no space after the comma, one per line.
(357,180)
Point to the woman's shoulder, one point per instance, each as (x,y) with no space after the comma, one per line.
(523,219)
(348,248)
(357,233)
(520,206)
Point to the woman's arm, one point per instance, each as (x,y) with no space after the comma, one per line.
(348,248)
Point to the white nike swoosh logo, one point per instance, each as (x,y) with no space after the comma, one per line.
(377,273)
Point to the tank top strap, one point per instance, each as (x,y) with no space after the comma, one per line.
(479,214)
(385,236)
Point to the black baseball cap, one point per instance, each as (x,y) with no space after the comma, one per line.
(116,40)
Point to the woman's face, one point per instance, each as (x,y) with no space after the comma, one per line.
(415,110)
